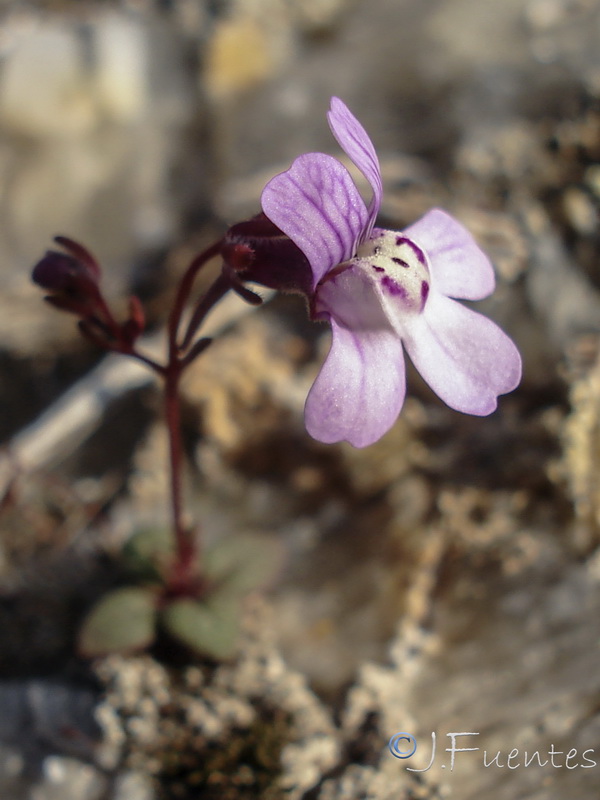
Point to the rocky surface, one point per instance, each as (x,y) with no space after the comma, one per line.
(445,580)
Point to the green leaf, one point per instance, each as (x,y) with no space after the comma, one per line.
(123,620)
(146,550)
(210,627)
(245,562)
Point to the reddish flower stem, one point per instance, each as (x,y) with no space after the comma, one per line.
(183,293)
(185,544)
(216,291)
(173,421)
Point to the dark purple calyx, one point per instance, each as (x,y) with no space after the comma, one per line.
(257,250)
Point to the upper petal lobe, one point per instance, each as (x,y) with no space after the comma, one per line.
(355,142)
(317,205)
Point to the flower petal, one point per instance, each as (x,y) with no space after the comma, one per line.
(465,357)
(360,389)
(458,265)
(317,205)
(355,142)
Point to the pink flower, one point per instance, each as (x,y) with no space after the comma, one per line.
(384,292)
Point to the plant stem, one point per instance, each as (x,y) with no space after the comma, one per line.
(183,543)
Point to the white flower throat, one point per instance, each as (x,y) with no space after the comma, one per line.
(398,265)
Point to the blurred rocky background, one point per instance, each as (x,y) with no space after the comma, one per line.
(445,579)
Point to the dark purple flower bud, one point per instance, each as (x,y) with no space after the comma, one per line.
(257,250)
(73,282)
(59,272)
(71,277)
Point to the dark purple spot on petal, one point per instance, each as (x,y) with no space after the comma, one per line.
(393,288)
(377,269)
(416,250)
(401,262)
(424,293)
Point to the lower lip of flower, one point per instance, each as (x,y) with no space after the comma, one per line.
(398,266)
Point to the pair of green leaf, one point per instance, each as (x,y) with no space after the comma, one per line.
(129,618)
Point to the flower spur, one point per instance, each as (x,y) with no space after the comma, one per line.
(384,292)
